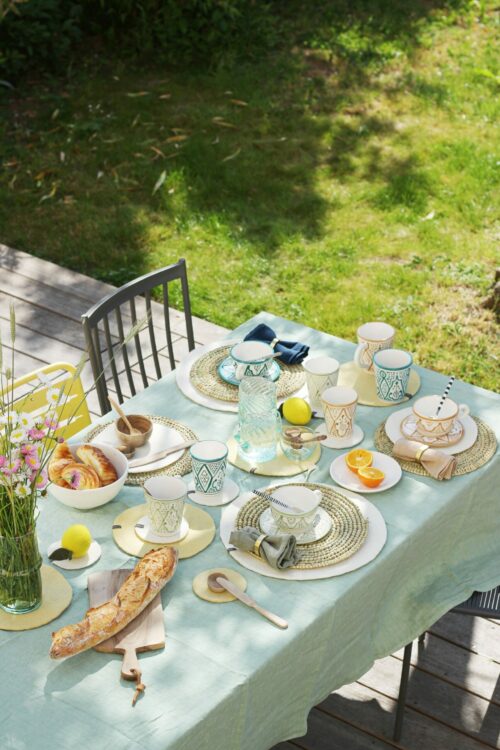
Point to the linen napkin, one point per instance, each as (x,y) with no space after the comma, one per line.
(439,465)
(292,352)
(278,551)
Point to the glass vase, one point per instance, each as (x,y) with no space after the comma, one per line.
(20,577)
(258,420)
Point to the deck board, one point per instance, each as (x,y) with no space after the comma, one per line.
(454,690)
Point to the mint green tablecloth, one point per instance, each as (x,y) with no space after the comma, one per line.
(227,679)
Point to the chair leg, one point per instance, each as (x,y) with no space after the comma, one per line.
(421,638)
(403,686)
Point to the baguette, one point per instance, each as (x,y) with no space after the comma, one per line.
(148,577)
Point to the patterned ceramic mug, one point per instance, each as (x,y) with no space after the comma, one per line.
(303,504)
(392,373)
(252,358)
(321,373)
(165,498)
(209,459)
(339,406)
(433,425)
(372,337)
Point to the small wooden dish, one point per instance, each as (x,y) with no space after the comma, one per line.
(141,423)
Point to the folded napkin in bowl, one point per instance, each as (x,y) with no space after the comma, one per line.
(439,465)
(278,551)
(292,352)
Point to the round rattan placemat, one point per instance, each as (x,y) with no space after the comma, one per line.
(347,535)
(206,379)
(469,460)
(180,467)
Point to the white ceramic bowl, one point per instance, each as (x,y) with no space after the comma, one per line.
(87,499)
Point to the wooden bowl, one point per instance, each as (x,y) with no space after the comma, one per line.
(140,422)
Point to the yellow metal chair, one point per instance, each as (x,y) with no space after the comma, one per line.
(72,406)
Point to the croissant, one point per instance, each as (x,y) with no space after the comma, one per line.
(80,477)
(95,458)
(148,577)
(60,457)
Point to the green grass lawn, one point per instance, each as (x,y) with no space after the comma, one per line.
(333,185)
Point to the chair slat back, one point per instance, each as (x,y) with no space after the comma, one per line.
(72,412)
(131,363)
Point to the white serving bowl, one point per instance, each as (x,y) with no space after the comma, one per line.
(87,499)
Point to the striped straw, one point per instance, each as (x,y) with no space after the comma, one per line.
(445,394)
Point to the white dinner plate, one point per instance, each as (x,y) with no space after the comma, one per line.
(393,431)
(162,437)
(342,475)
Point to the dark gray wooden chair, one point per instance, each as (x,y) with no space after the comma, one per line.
(150,352)
(479,604)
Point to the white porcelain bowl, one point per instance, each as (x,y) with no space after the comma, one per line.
(87,499)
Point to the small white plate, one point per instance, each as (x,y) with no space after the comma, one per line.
(228,493)
(162,437)
(354,438)
(342,475)
(91,556)
(393,431)
(322,525)
(147,534)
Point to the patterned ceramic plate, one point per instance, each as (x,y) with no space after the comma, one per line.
(321,527)
(227,371)
(410,430)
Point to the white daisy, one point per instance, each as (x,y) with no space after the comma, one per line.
(53,396)
(26,420)
(17,435)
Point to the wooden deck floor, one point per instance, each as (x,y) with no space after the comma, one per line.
(454,692)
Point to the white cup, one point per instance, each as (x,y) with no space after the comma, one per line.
(252,358)
(339,407)
(430,425)
(303,504)
(372,337)
(165,498)
(321,373)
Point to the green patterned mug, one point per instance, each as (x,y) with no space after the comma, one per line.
(392,373)
(209,460)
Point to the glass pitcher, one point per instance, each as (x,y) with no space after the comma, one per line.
(259,420)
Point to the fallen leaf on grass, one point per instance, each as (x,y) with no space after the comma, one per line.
(55,114)
(164,96)
(232,156)
(11,163)
(132,95)
(159,182)
(157,151)
(12,182)
(52,193)
(176,138)
(223,123)
(136,120)
(239,102)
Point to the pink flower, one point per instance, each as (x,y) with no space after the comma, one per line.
(28,449)
(3,461)
(41,480)
(32,461)
(12,467)
(36,434)
(51,423)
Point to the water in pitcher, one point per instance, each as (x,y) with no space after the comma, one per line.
(258,420)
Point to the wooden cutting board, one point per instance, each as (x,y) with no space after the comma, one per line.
(145,633)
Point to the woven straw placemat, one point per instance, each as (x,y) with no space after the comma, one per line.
(180,467)
(347,535)
(206,379)
(469,460)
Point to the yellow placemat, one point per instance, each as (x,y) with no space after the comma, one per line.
(200,534)
(280,466)
(364,384)
(56,596)
(200,586)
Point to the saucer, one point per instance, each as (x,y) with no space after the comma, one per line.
(342,475)
(394,423)
(229,491)
(227,371)
(322,525)
(91,556)
(147,534)
(354,438)
(410,430)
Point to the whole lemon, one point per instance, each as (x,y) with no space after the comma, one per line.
(77,539)
(297,411)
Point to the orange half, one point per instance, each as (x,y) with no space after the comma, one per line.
(358,459)
(370,476)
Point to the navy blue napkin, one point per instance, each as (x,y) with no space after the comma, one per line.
(292,352)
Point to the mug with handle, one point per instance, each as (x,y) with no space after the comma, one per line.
(372,337)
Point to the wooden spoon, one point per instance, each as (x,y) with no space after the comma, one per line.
(212,582)
(119,410)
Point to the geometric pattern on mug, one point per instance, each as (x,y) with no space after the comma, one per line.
(372,348)
(165,516)
(316,384)
(339,419)
(391,386)
(209,477)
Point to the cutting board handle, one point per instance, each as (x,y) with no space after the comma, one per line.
(130,664)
